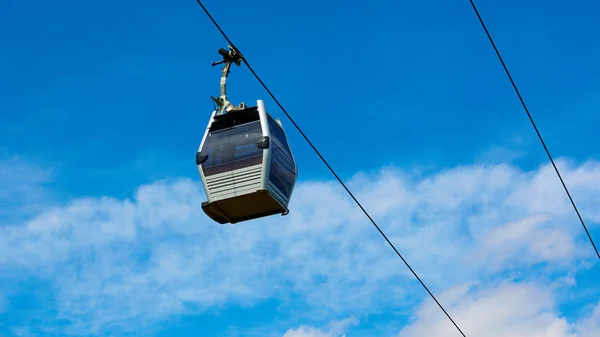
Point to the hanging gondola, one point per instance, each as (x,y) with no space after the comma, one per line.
(244,160)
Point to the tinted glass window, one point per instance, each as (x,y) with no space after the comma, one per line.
(283,170)
(232,149)
(278,136)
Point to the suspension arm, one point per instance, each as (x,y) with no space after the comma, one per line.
(229,56)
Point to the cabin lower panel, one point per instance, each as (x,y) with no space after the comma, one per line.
(235,183)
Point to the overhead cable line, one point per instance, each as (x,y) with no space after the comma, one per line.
(327,164)
(534,126)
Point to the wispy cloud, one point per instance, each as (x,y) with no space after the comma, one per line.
(496,155)
(22,189)
(336,329)
(110,261)
(3,303)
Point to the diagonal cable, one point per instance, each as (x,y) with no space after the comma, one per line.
(534,126)
(328,166)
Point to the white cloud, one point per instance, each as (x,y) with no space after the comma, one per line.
(305,331)
(509,309)
(110,260)
(529,240)
(590,326)
(336,329)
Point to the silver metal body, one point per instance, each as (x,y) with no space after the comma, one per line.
(251,191)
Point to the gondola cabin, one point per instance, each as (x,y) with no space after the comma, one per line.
(246,166)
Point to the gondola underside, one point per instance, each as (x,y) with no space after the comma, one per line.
(244,207)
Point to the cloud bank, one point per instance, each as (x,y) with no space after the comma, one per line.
(109,261)
(508,309)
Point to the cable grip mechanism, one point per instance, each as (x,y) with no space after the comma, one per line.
(229,56)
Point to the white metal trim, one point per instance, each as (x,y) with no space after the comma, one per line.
(202,177)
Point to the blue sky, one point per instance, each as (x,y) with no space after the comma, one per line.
(103,107)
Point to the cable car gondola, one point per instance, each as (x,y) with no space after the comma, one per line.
(244,159)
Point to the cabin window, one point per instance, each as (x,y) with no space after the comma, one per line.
(232,148)
(278,136)
(283,169)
